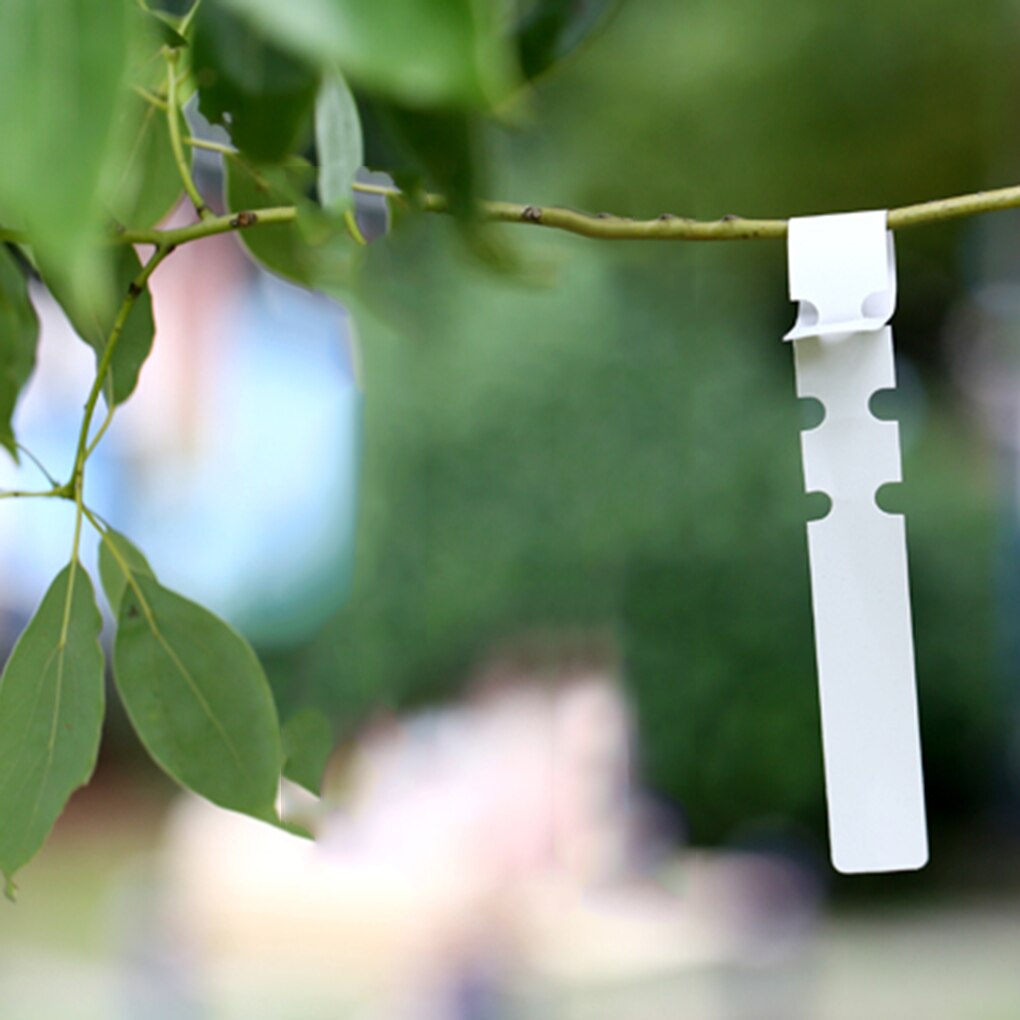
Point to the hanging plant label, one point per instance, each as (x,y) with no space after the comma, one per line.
(842,273)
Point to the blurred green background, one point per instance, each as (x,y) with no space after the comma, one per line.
(605,439)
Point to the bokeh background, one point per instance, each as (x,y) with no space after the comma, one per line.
(541,528)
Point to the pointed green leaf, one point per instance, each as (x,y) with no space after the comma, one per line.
(61,71)
(94,323)
(198,698)
(168,26)
(51,714)
(552,29)
(307,745)
(141,182)
(245,82)
(426,52)
(118,558)
(314,251)
(338,142)
(19,332)
(280,247)
(442,148)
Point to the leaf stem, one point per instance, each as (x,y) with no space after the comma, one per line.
(174,124)
(150,97)
(58,491)
(37,462)
(102,529)
(189,17)
(211,146)
(84,449)
(101,431)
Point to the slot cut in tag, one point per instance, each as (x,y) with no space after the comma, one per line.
(843,274)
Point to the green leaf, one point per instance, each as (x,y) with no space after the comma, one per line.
(168,26)
(552,29)
(119,558)
(260,93)
(307,745)
(141,183)
(316,250)
(94,323)
(198,698)
(61,68)
(423,52)
(51,715)
(338,142)
(19,332)
(442,148)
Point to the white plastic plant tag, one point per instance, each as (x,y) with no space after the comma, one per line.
(842,271)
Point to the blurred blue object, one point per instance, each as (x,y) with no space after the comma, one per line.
(264,529)
(256,519)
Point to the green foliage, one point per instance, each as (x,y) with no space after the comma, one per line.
(307,744)
(440,149)
(337,143)
(51,714)
(97,152)
(197,697)
(94,322)
(315,250)
(119,558)
(61,68)
(19,330)
(264,94)
(422,52)
(551,30)
(141,183)
(616,448)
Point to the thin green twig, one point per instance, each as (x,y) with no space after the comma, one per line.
(209,227)
(57,492)
(174,123)
(599,226)
(150,97)
(210,146)
(37,462)
(189,17)
(138,285)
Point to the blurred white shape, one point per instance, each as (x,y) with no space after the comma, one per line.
(477,849)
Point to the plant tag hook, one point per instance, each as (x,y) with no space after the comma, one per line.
(843,274)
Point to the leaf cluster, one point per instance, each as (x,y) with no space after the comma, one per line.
(98,99)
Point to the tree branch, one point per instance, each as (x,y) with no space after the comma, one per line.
(667,227)
(172,237)
(600,226)
(83,450)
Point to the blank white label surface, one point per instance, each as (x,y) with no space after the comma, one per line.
(841,270)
